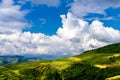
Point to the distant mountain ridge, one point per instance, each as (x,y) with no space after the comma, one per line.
(13,59)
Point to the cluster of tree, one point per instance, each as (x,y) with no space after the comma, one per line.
(80,71)
(77,71)
(40,73)
(6,74)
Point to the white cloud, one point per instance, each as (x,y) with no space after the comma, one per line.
(83,7)
(42,20)
(97,18)
(75,36)
(11,17)
(106,34)
(51,3)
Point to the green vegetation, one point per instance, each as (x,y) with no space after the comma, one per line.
(80,71)
(113,48)
(6,74)
(98,64)
(40,73)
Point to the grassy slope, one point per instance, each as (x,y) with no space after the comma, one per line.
(59,64)
(108,56)
(6,74)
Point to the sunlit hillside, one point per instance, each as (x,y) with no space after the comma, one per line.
(98,64)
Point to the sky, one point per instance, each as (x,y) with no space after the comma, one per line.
(57,27)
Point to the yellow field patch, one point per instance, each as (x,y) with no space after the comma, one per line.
(74,59)
(113,78)
(100,66)
(60,65)
(116,55)
(16,71)
(65,63)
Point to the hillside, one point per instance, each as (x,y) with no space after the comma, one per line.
(98,64)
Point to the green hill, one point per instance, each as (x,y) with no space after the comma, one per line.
(98,64)
(113,48)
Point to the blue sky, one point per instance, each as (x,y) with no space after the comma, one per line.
(57,27)
(42,17)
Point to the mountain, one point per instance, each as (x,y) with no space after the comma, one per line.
(13,59)
(99,64)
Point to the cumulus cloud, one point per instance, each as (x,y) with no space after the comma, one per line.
(84,7)
(75,36)
(106,34)
(11,17)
